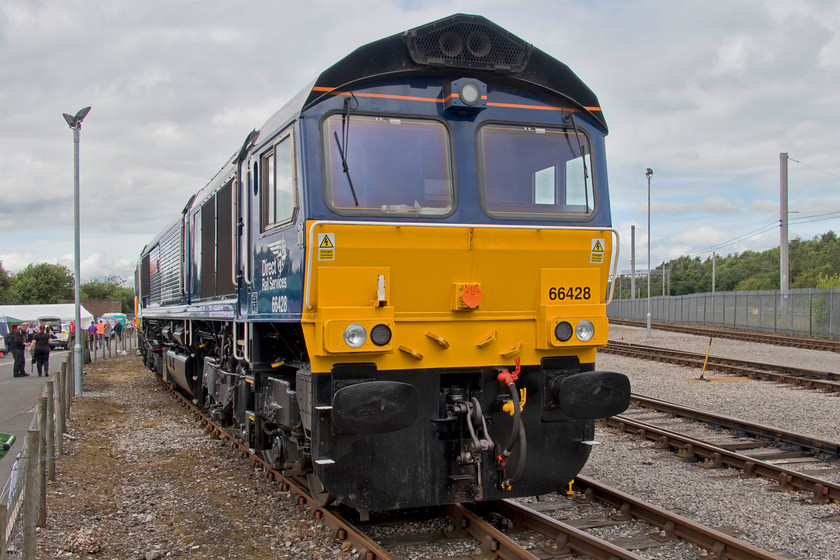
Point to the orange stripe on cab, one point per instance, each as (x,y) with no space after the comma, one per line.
(333,91)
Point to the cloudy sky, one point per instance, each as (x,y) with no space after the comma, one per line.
(708,93)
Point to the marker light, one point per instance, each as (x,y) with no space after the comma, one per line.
(355,335)
(585,330)
(380,334)
(563,331)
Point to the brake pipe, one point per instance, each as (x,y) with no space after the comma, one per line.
(518,432)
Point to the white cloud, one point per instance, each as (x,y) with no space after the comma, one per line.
(721,205)
(764,206)
(15,262)
(706,93)
(736,53)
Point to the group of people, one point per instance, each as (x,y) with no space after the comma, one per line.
(97,332)
(38,341)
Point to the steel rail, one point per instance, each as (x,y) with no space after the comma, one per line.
(764,366)
(753,370)
(758,430)
(571,539)
(720,544)
(494,543)
(566,537)
(716,457)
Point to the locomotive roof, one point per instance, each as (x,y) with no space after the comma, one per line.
(435,45)
(462,42)
(453,44)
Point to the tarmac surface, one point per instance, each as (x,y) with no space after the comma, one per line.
(18,397)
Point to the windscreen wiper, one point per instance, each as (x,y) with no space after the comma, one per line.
(345,131)
(583,160)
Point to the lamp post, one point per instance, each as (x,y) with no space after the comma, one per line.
(648,174)
(75,122)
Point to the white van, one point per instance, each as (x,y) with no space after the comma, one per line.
(59,330)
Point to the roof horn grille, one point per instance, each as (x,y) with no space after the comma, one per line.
(464,41)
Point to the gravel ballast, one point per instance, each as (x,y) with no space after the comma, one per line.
(783,522)
(140,480)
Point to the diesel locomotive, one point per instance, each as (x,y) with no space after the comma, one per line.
(395,288)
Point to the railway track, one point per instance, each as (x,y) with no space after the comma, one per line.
(749,336)
(565,526)
(829,449)
(810,379)
(496,528)
(755,449)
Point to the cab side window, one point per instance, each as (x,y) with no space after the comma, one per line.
(278,184)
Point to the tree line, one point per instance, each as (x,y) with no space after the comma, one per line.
(50,283)
(813,263)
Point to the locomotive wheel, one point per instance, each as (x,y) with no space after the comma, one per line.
(321,497)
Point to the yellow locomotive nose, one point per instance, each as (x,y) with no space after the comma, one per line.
(461,312)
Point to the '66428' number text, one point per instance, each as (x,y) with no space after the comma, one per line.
(573,292)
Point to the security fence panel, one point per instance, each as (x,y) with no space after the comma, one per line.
(805,312)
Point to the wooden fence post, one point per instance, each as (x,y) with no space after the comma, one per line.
(30,493)
(71,368)
(50,431)
(58,388)
(86,340)
(70,388)
(41,413)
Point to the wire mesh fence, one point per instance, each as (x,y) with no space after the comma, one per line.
(11,504)
(808,312)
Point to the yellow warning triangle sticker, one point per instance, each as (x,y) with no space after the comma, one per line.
(326,243)
(597,248)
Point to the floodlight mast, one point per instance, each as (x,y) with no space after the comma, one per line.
(75,122)
(649,174)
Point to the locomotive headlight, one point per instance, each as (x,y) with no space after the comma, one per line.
(470,93)
(465,94)
(355,335)
(563,331)
(585,330)
(362,335)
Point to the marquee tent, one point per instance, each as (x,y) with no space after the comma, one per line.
(16,314)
